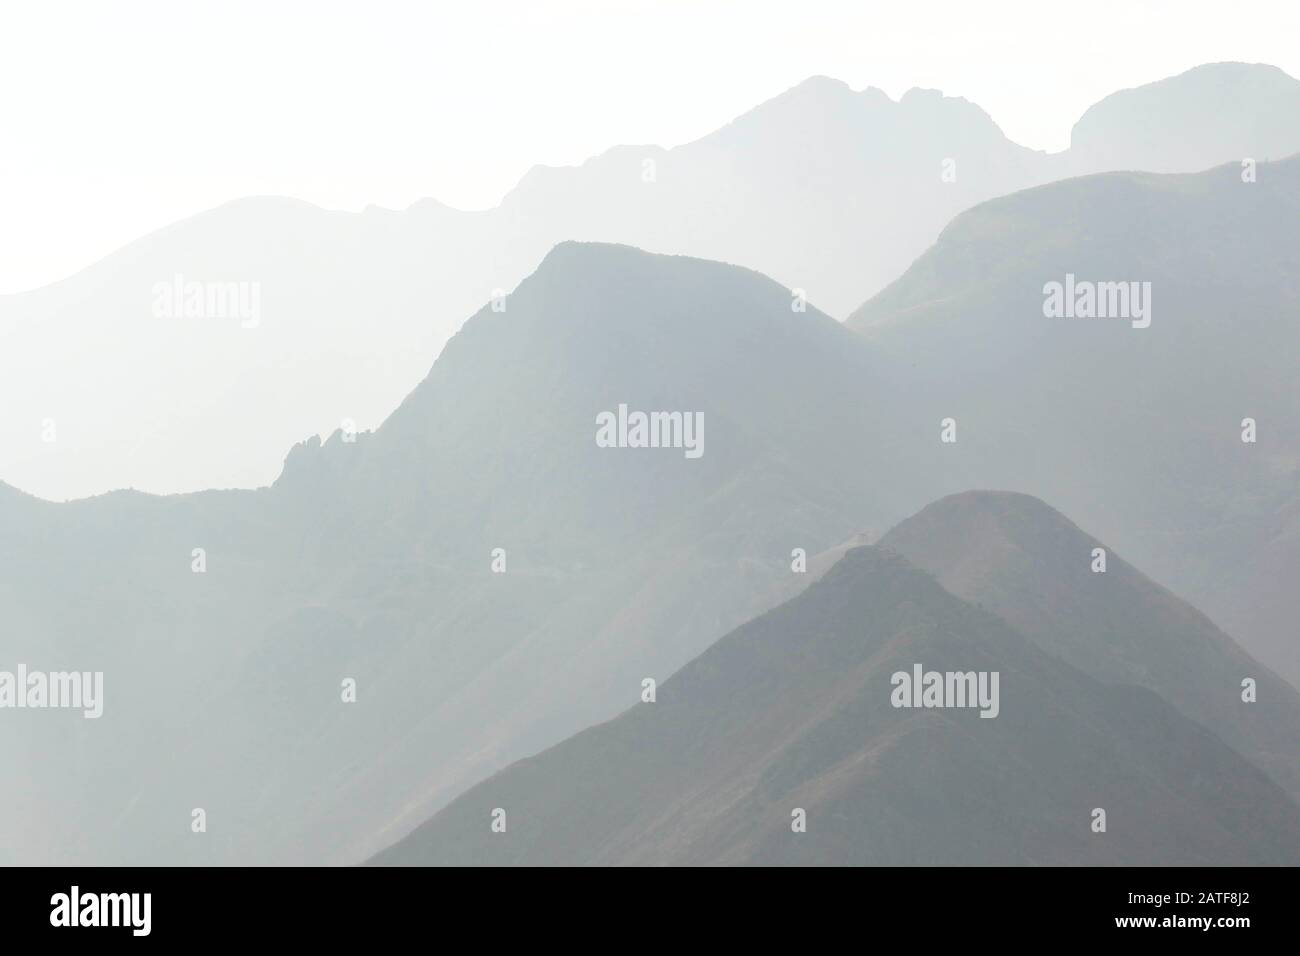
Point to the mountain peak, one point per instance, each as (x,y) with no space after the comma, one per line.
(822,84)
(611,269)
(989,501)
(579,253)
(1068,592)
(828,88)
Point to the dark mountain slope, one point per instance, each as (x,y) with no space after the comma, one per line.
(793,711)
(1026,562)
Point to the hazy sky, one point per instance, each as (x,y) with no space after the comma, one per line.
(116,119)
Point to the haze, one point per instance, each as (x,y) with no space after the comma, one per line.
(385,103)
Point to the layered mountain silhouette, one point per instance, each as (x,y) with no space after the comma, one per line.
(1137,433)
(372,560)
(793,713)
(374,557)
(827,190)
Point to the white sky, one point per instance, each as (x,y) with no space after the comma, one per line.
(118,118)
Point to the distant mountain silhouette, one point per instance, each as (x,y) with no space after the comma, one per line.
(1212,114)
(825,189)
(793,711)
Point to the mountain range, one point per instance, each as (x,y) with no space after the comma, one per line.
(492,581)
(828,190)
